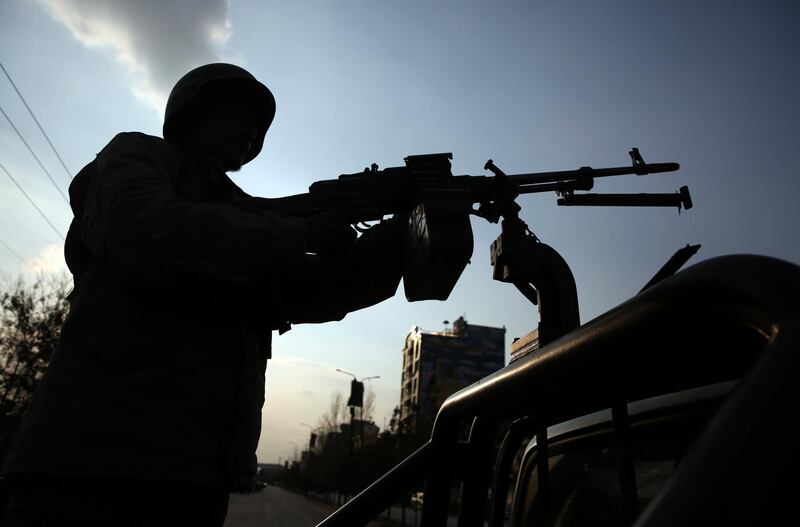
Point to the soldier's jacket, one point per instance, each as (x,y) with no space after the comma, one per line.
(159,373)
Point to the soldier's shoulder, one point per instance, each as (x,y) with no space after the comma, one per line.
(140,144)
(142,139)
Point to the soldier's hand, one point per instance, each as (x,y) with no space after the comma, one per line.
(328,233)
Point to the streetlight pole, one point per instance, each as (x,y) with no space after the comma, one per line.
(347,373)
(352,408)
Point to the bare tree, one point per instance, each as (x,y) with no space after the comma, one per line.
(368,411)
(335,415)
(31,316)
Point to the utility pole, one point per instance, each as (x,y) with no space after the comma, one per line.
(357,400)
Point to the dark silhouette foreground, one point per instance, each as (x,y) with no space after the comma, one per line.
(150,412)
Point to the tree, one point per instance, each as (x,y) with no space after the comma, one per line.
(368,411)
(31,316)
(335,415)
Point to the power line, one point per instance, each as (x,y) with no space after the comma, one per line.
(15,253)
(69,174)
(30,199)
(47,173)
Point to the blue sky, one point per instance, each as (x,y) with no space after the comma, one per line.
(533,85)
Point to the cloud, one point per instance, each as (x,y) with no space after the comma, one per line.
(301,362)
(156,40)
(49,260)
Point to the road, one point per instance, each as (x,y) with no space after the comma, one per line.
(275,507)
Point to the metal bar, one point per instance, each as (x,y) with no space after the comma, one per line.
(672,265)
(627,471)
(477,479)
(518,430)
(623,200)
(601,353)
(521,490)
(543,473)
(384,492)
(444,442)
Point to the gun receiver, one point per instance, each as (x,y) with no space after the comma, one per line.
(439,238)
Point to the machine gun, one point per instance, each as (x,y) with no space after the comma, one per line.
(439,241)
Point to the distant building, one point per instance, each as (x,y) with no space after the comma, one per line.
(436,365)
(365,433)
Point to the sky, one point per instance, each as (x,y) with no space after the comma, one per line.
(535,86)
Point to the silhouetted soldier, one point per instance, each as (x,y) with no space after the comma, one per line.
(151,409)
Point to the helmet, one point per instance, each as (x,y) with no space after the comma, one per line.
(197,94)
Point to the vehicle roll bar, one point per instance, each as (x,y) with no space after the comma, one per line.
(710,323)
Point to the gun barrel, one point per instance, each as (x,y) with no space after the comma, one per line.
(589,172)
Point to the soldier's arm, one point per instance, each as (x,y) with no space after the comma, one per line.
(327,289)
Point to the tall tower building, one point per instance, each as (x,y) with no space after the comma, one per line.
(436,365)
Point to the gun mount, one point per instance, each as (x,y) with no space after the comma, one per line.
(537,270)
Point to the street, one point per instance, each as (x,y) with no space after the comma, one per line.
(275,507)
